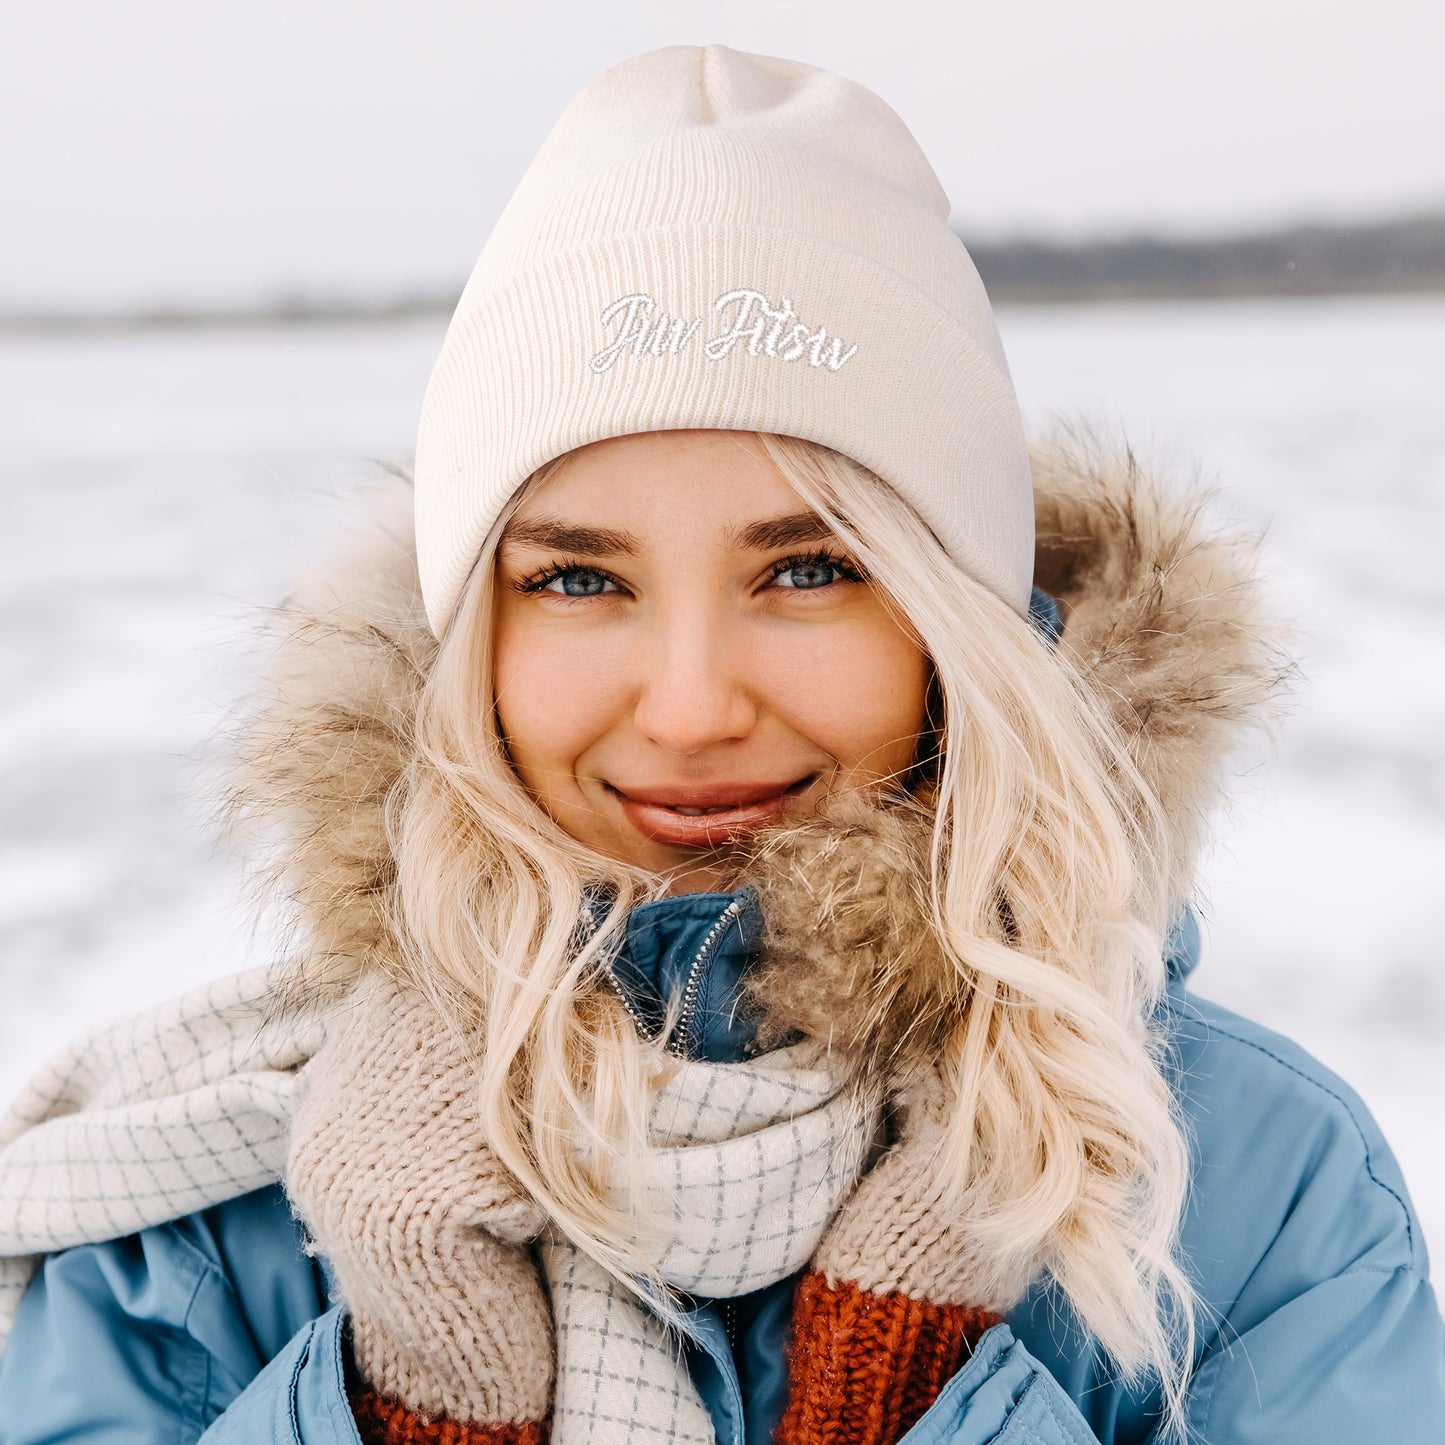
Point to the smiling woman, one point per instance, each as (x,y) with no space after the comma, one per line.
(742,840)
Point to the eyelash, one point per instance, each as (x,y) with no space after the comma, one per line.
(847,569)
(537,581)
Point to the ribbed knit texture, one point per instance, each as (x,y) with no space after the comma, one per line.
(424,1230)
(901,1232)
(714,239)
(863,1368)
(380,1421)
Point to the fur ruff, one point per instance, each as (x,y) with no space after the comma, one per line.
(1163,614)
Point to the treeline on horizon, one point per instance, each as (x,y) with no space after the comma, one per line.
(1388,257)
(1401,255)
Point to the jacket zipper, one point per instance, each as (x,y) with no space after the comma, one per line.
(729,1310)
(692,990)
(643,1029)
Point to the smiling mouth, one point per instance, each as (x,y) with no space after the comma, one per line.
(709,815)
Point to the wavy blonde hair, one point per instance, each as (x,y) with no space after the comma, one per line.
(1049,894)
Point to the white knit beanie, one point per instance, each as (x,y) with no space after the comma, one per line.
(713,239)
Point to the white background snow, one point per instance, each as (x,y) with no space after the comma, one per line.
(160,489)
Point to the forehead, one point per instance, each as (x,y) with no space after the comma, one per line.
(661,479)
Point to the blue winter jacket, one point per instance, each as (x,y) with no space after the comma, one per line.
(1318,1323)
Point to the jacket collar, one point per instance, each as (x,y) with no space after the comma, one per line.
(681,967)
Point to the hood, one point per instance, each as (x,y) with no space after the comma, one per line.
(1161,610)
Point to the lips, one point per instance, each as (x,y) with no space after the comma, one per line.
(706,815)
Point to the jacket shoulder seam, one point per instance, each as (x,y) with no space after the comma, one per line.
(1223,1030)
(1380,1270)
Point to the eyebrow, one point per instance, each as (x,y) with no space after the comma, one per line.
(551,533)
(794,530)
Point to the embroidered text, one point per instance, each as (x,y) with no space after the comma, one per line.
(747,317)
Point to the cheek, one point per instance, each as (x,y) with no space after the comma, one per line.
(554,698)
(861,694)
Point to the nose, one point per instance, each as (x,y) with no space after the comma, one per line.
(694,691)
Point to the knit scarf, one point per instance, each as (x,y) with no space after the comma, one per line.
(750,1163)
(188,1105)
(144,1121)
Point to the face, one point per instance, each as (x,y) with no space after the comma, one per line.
(684,653)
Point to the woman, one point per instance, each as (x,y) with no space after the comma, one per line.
(743,993)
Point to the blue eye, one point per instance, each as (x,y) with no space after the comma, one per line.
(577,582)
(808,574)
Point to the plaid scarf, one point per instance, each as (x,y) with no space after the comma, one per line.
(752,1161)
(144,1121)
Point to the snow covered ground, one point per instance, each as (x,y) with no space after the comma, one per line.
(160,489)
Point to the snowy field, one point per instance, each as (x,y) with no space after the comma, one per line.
(161,489)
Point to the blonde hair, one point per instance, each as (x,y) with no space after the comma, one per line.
(1050,895)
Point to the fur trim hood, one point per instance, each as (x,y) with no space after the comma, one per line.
(1161,611)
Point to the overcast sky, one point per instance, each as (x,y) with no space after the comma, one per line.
(211,152)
